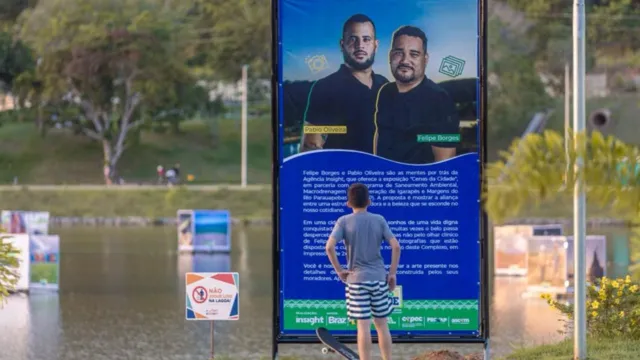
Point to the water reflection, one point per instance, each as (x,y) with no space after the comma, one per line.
(15,328)
(519,319)
(122,297)
(45,323)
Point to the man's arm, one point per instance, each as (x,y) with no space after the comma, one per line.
(443,153)
(316,113)
(333,256)
(336,235)
(395,254)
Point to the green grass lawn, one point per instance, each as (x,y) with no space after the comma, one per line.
(64,158)
(164,202)
(596,350)
(149,203)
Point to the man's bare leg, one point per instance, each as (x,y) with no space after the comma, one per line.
(364,339)
(384,337)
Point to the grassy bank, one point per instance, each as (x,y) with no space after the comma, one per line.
(64,158)
(596,350)
(207,149)
(162,202)
(149,203)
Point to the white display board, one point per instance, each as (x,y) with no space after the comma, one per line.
(204,231)
(596,259)
(551,267)
(30,222)
(511,247)
(45,262)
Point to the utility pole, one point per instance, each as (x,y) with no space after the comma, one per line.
(579,198)
(567,105)
(243,164)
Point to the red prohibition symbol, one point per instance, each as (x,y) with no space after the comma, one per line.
(199,294)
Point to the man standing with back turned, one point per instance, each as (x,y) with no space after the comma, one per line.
(346,97)
(368,286)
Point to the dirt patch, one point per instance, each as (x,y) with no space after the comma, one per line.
(474,357)
(447,355)
(440,355)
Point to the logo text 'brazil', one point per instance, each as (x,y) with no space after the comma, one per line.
(452,66)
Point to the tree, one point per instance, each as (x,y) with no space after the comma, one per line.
(233,33)
(11,9)
(8,264)
(15,59)
(549,33)
(611,32)
(613,29)
(515,90)
(538,169)
(171,108)
(104,59)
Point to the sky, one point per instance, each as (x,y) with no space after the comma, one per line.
(311,28)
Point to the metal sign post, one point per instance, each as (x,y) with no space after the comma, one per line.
(211,355)
(243,174)
(212,296)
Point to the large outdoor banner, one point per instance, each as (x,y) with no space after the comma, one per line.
(204,231)
(45,262)
(511,246)
(550,262)
(21,222)
(386,93)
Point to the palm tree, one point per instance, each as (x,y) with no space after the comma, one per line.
(539,168)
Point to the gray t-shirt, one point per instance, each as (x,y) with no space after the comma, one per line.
(363,233)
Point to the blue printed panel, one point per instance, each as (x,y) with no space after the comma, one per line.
(441,254)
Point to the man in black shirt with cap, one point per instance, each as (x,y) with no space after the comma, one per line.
(416,121)
(346,97)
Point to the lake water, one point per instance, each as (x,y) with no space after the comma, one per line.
(122,297)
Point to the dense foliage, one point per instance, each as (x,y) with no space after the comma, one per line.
(8,266)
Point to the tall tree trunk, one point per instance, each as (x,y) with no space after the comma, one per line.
(107,164)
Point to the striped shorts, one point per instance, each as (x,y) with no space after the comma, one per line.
(368,298)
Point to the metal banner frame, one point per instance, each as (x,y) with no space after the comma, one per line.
(484,329)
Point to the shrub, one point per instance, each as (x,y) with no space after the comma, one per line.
(613,309)
(8,266)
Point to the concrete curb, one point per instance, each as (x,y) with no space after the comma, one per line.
(591,222)
(67,221)
(241,221)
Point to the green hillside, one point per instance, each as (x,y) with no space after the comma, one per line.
(64,158)
(624,113)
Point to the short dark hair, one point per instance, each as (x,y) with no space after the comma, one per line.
(358,195)
(411,31)
(358,19)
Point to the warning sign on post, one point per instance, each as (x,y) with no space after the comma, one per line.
(212,296)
